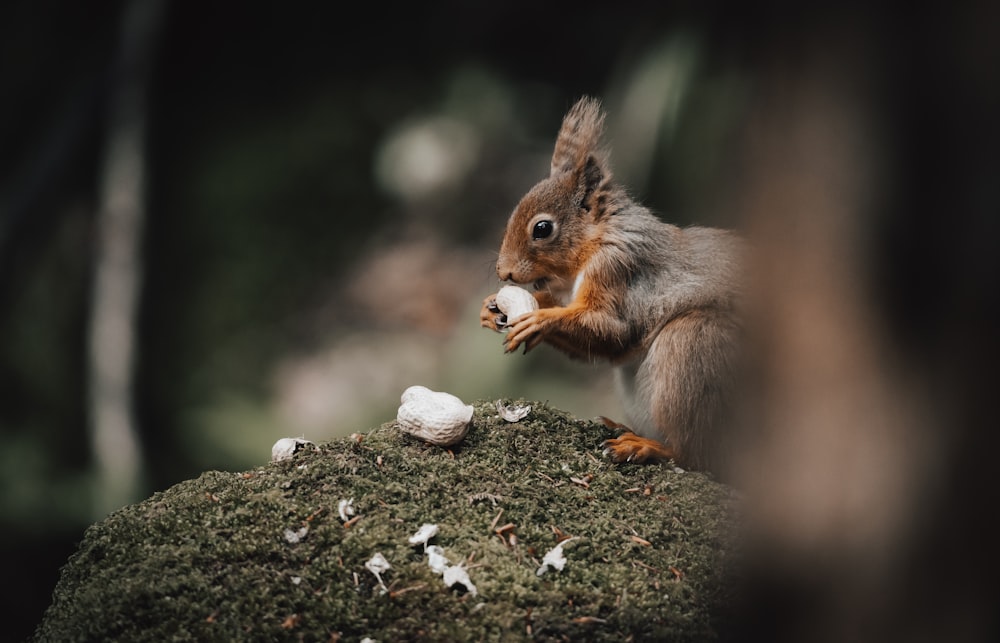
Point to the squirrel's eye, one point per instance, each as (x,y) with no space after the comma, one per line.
(542,229)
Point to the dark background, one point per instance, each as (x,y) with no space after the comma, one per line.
(283,260)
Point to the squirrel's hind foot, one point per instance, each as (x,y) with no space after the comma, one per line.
(633,448)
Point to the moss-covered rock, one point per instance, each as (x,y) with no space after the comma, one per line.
(266,555)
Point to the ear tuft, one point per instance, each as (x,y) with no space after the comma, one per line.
(591,180)
(579,136)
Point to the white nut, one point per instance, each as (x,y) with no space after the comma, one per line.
(435,417)
(514,302)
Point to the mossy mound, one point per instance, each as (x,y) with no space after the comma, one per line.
(265,554)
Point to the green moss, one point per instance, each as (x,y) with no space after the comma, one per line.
(208,559)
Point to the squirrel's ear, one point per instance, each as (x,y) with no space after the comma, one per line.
(576,144)
(592,182)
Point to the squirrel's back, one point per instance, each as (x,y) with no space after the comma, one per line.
(667,270)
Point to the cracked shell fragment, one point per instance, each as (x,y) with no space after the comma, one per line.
(435,417)
(457,575)
(287,447)
(424,534)
(436,559)
(554,558)
(345,508)
(513,412)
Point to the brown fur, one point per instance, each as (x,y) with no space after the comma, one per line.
(614,283)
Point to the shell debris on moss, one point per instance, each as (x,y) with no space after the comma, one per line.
(513,412)
(287,447)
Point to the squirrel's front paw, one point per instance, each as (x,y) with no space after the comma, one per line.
(528,329)
(490,315)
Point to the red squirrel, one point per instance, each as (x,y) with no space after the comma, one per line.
(615,283)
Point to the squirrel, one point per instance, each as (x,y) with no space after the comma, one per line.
(615,283)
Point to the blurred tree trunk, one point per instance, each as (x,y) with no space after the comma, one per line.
(118,266)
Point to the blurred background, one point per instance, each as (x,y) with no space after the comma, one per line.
(221,225)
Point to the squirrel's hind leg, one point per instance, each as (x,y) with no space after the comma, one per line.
(629,447)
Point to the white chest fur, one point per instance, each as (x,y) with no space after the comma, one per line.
(563,296)
(576,285)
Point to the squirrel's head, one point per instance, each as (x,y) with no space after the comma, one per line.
(556,225)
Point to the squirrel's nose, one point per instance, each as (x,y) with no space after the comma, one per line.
(504,270)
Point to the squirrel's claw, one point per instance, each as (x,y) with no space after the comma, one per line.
(490,315)
(510,346)
(532,343)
